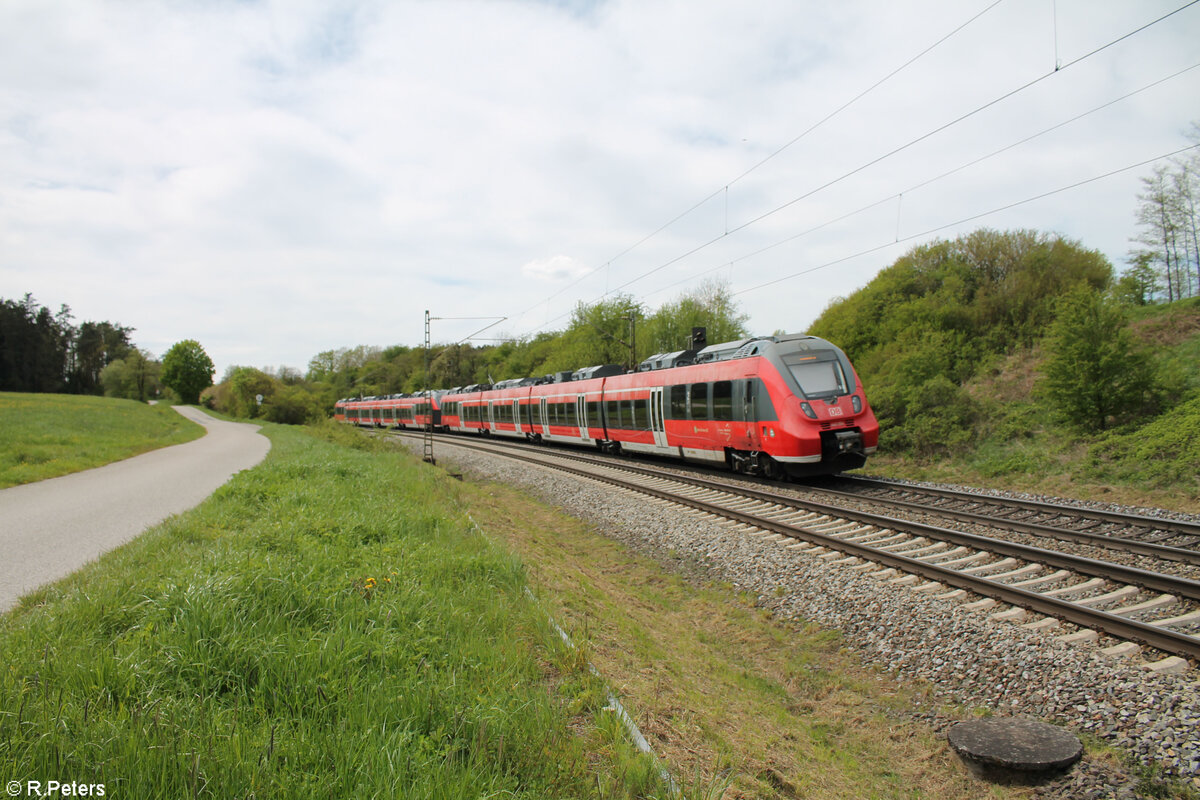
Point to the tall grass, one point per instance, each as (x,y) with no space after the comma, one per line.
(47,435)
(327,625)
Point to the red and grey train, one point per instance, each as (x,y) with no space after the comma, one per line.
(775,406)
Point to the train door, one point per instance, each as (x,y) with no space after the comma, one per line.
(542,419)
(656,417)
(750,409)
(581,416)
(516,415)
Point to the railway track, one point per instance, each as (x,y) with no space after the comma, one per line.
(1099,597)
(1161,537)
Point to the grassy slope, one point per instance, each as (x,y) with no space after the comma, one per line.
(1025,448)
(47,435)
(731,697)
(328,624)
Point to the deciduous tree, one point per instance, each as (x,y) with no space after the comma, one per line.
(188,370)
(1094,374)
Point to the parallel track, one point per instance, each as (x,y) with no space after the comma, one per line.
(954,559)
(1136,533)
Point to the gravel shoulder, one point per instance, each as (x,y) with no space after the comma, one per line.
(51,528)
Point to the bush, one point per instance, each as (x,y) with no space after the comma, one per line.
(1094,374)
(934,418)
(1164,451)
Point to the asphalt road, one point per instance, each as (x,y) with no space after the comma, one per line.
(53,527)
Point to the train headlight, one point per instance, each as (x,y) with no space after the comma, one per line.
(856,401)
(808,411)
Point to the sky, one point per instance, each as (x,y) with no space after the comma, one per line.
(277,178)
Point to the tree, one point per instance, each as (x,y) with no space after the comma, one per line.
(135,376)
(187,369)
(599,333)
(1137,285)
(710,306)
(1094,374)
(95,346)
(1168,214)
(246,384)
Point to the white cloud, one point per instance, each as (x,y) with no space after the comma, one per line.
(279,178)
(554,269)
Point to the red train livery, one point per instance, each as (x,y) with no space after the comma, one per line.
(774,406)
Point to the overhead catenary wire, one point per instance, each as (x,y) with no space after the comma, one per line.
(910,189)
(972,218)
(895,151)
(725,188)
(1058,68)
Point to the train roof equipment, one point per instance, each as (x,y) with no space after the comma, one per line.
(680,358)
(599,371)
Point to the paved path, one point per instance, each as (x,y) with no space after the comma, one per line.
(53,527)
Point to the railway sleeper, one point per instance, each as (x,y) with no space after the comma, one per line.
(1122,650)
(1173,665)
(971,559)
(919,541)
(957,551)
(889,542)
(1124,593)
(1081,635)
(1053,577)
(1181,621)
(1043,624)
(982,568)
(862,534)
(1076,588)
(928,551)
(1153,604)
(1014,614)
(1028,569)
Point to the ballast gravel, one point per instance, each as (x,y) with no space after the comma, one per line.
(967,657)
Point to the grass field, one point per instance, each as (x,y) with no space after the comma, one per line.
(47,435)
(328,624)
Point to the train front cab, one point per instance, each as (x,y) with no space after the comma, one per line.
(825,423)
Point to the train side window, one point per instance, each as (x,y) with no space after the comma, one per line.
(593,414)
(642,413)
(722,400)
(569,408)
(678,401)
(766,409)
(699,401)
(740,398)
(613,413)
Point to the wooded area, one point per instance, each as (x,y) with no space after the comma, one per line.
(44,352)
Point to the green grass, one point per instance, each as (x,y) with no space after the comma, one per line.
(737,702)
(328,624)
(47,435)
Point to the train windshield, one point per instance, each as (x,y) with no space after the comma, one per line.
(819,375)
